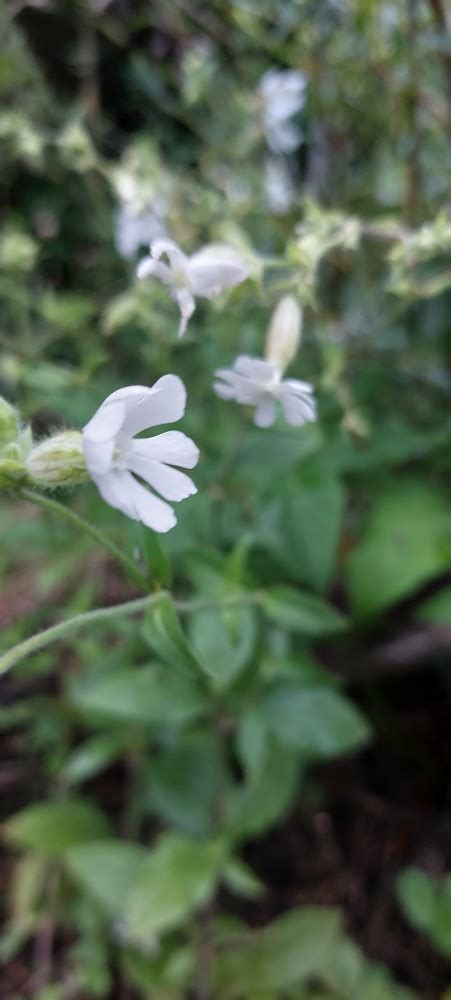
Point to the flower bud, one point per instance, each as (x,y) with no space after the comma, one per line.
(284,332)
(58,461)
(9,423)
(12,468)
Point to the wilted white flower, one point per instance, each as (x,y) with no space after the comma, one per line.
(119,463)
(135,228)
(282,93)
(206,273)
(258,383)
(279,186)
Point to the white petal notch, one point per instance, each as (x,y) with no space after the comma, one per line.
(130,471)
(258,382)
(212,270)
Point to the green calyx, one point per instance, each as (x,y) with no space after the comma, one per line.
(58,461)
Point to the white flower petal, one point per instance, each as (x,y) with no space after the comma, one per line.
(113,488)
(106,421)
(136,227)
(243,389)
(186,304)
(171,447)
(297,387)
(215,268)
(224,391)
(150,268)
(170,483)
(298,410)
(173,252)
(149,509)
(162,404)
(283,136)
(265,412)
(99,436)
(255,368)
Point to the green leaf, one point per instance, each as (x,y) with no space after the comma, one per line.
(147,695)
(107,870)
(26,887)
(288,952)
(154,555)
(351,976)
(251,741)
(305,530)
(177,877)
(183,783)
(164,975)
(301,612)
(255,805)
(52,827)
(418,896)
(441,923)
(436,610)
(164,634)
(240,879)
(316,720)
(407,541)
(224,641)
(91,757)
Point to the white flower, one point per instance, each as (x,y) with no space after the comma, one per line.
(283,94)
(279,185)
(135,228)
(206,273)
(259,383)
(119,463)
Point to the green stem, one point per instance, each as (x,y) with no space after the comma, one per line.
(139,578)
(43,639)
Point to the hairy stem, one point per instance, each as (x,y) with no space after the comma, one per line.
(55,507)
(64,629)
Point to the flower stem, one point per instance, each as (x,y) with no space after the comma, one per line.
(43,639)
(139,578)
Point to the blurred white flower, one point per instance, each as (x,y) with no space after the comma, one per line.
(279,186)
(135,228)
(284,332)
(206,273)
(258,383)
(282,93)
(119,463)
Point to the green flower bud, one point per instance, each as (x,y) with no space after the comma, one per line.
(284,332)
(58,461)
(12,470)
